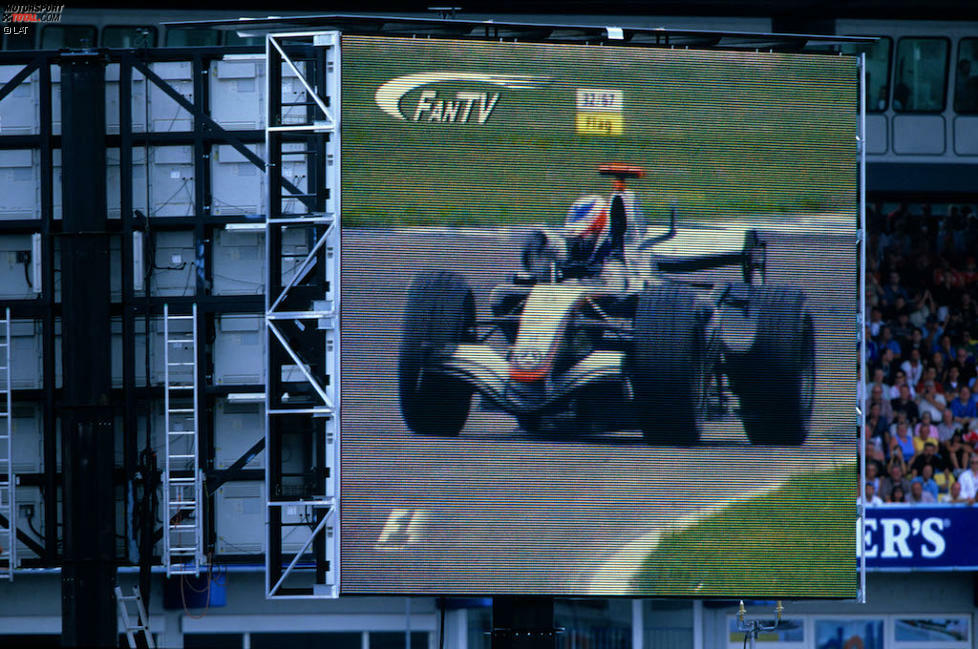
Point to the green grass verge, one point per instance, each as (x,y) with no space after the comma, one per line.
(728,136)
(796,541)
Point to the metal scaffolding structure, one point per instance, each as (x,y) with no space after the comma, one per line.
(137,305)
(301,316)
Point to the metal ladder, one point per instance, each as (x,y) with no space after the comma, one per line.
(138,626)
(8,481)
(182,534)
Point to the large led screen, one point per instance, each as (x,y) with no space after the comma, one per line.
(598,320)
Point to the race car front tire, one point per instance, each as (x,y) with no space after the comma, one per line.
(669,366)
(440,313)
(775,378)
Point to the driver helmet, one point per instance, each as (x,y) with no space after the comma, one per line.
(586,226)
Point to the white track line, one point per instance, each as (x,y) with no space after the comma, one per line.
(617,573)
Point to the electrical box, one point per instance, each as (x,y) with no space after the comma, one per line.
(237,426)
(25,355)
(27,439)
(16,266)
(139,327)
(238,259)
(237,185)
(295,169)
(20,179)
(174,271)
(18,110)
(140,104)
(237,93)
(239,350)
(239,520)
(30,512)
(171,181)
(140,186)
(165,114)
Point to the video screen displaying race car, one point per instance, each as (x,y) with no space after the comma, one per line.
(598,320)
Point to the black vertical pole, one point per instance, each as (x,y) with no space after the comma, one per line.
(129,441)
(47,321)
(88,613)
(203,242)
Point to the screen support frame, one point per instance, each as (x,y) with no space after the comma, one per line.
(302,344)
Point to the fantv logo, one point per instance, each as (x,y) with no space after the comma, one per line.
(899,538)
(455,106)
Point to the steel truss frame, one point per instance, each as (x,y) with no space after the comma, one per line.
(133,400)
(301,318)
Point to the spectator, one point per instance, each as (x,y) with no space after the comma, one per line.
(898,496)
(904,402)
(888,342)
(944,293)
(873,443)
(912,368)
(969,479)
(930,377)
(969,314)
(959,453)
(951,383)
(970,272)
(872,500)
(963,407)
(940,370)
(918,495)
(902,440)
(965,365)
(900,328)
(969,436)
(876,426)
(946,428)
(893,289)
(876,398)
(899,379)
(873,473)
(953,495)
(930,402)
(872,349)
(931,482)
(933,334)
(927,457)
(894,481)
(879,380)
(888,363)
(946,349)
(924,433)
(920,311)
(875,321)
(916,343)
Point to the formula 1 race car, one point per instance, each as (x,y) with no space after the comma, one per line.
(599,327)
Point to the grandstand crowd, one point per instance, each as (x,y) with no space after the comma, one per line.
(921,433)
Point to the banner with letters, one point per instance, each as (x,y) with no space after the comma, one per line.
(915,537)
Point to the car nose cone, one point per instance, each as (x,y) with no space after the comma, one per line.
(527,359)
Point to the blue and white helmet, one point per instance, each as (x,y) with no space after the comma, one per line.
(585,226)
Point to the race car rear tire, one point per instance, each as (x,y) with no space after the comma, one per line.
(669,363)
(775,378)
(530,423)
(440,313)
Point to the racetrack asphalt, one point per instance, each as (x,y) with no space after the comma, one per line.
(497,510)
